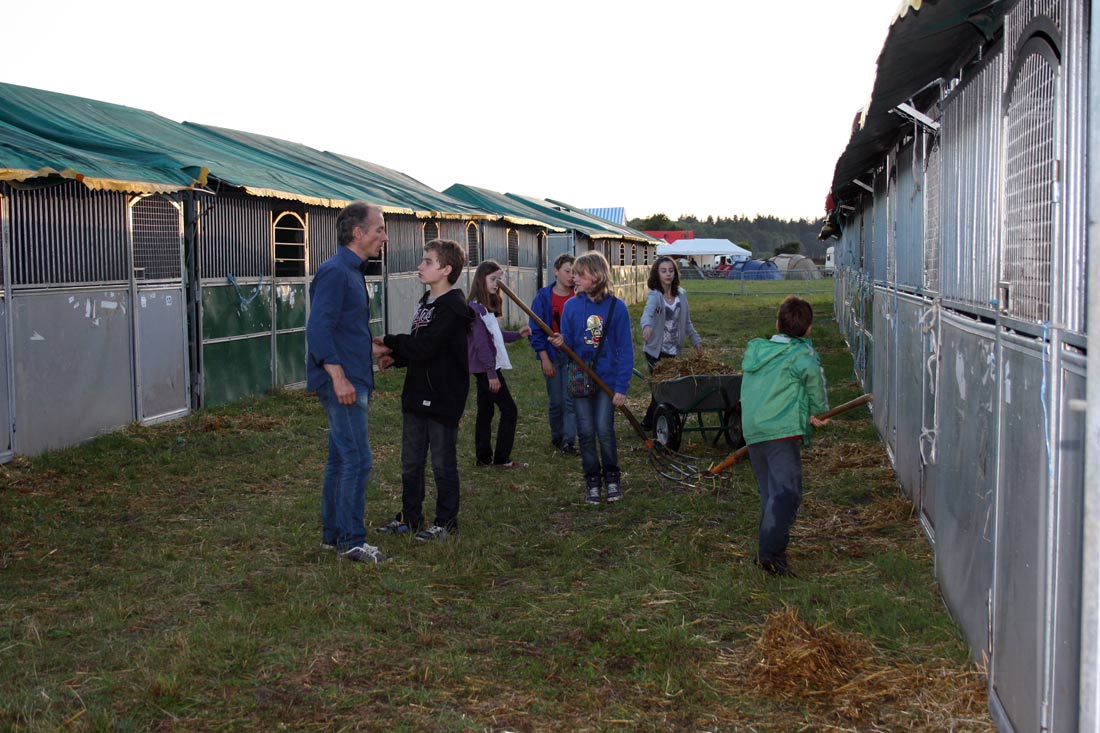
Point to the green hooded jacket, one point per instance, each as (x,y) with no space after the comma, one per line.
(782,385)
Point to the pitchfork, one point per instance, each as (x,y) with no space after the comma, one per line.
(667,463)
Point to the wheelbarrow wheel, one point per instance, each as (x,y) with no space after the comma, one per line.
(667,426)
(735,439)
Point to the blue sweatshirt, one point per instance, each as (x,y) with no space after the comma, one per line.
(582,327)
(338,331)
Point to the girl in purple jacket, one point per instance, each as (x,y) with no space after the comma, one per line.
(488,360)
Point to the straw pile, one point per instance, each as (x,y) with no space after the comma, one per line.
(688,366)
(843,677)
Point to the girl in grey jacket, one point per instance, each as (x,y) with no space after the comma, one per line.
(666,322)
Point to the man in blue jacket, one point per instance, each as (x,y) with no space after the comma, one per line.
(340,369)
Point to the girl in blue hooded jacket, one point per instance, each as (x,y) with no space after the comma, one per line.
(594,317)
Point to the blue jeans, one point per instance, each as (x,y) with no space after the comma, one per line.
(596,419)
(563,418)
(419,434)
(349,463)
(777,465)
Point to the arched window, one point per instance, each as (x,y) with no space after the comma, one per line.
(431,231)
(622,253)
(290,245)
(156,223)
(513,248)
(473,245)
(633,254)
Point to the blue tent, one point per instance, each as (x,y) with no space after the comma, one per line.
(754,270)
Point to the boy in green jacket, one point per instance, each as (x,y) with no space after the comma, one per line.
(782,388)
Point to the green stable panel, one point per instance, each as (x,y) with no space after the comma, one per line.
(233,370)
(229,311)
(290,348)
(377,307)
(290,356)
(290,306)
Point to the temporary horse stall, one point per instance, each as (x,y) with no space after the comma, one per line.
(961,289)
(151,267)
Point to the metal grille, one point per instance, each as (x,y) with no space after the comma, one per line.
(157,239)
(1029,186)
(892,215)
(406,247)
(321,235)
(235,235)
(880,221)
(290,246)
(633,254)
(1023,13)
(932,188)
(473,247)
(513,248)
(622,253)
(68,235)
(970,217)
(431,231)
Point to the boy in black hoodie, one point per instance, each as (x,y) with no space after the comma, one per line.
(437,381)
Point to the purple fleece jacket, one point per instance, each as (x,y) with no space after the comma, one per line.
(480,347)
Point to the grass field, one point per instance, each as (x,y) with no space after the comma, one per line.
(169,579)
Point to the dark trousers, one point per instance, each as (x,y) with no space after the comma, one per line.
(487,403)
(647,421)
(419,435)
(777,465)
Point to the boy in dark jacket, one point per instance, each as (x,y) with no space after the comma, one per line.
(782,388)
(437,381)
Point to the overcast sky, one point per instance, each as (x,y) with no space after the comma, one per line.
(704,107)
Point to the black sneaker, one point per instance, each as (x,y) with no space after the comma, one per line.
(395,527)
(363,553)
(614,493)
(592,490)
(777,567)
(568,449)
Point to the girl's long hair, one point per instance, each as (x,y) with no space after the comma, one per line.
(655,276)
(479,291)
(595,264)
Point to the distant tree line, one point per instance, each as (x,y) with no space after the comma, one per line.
(763,235)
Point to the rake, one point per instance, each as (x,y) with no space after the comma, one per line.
(669,464)
(743,451)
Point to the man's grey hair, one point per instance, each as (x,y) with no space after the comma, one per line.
(354,215)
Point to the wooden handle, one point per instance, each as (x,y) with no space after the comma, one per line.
(743,451)
(587,369)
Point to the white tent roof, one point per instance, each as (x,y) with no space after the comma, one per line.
(695,247)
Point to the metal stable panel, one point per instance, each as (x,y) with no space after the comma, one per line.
(958,498)
(72,366)
(235,238)
(911,356)
(1030,178)
(5,334)
(1067,535)
(970,217)
(880,224)
(933,185)
(161,371)
(67,235)
(884,358)
(908,221)
(1023,516)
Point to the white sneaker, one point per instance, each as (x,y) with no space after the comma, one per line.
(363,553)
(435,532)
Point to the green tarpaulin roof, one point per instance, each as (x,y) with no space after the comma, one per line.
(113,147)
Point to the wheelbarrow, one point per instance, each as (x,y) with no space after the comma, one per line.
(682,399)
